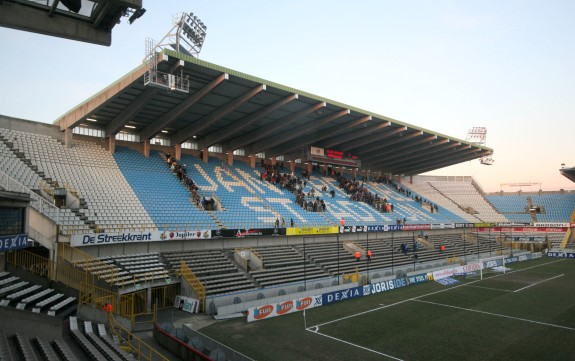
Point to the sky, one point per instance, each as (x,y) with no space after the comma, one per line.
(446,66)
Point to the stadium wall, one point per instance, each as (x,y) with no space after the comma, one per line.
(42,229)
(29,126)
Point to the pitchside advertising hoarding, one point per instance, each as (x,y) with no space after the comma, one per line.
(13,242)
(409,227)
(561,254)
(304,231)
(99,239)
(246,233)
(283,308)
(523,229)
(448,272)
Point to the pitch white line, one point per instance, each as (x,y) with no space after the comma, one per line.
(429,294)
(497,314)
(354,345)
(536,283)
(488,288)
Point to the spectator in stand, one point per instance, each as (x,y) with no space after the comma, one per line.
(283,223)
(291,222)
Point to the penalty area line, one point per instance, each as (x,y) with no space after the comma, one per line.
(489,288)
(497,315)
(536,283)
(316,331)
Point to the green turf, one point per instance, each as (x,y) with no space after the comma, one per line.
(526,314)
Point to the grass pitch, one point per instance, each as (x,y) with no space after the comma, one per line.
(526,314)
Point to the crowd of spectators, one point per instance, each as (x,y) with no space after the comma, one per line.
(358,192)
(296,185)
(181,172)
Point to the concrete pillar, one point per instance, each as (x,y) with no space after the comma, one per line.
(325,168)
(410,179)
(354,172)
(2,261)
(292,166)
(149,299)
(147,148)
(252,161)
(230,158)
(178,151)
(111,144)
(274,161)
(309,167)
(205,154)
(68,138)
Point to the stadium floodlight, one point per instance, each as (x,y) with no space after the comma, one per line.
(72,5)
(194,32)
(136,15)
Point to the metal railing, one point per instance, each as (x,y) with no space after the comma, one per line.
(31,262)
(195,283)
(131,343)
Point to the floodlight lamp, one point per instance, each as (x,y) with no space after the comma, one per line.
(136,15)
(72,5)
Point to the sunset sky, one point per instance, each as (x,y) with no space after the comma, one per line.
(446,66)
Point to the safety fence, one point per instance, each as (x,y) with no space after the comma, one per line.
(131,343)
(31,262)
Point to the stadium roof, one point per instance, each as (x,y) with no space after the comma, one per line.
(89,21)
(568,173)
(235,110)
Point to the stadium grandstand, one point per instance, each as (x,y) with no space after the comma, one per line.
(190,184)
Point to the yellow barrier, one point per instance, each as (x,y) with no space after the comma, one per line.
(32,262)
(195,283)
(133,344)
(96,297)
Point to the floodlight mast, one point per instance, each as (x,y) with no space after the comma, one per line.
(186,36)
(478,135)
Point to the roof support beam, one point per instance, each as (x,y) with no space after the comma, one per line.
(459,157)
(436,160)
(417,151)
(77,115)
(233,128)
(316,136)
(371,139)
(414,145)
(253,136)
(130,111)
(348,137)
(423,154)
(154,128)
(398,139)
(221,112)
(305,129)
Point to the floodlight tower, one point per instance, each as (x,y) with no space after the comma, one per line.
(186,36)
(478,135)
